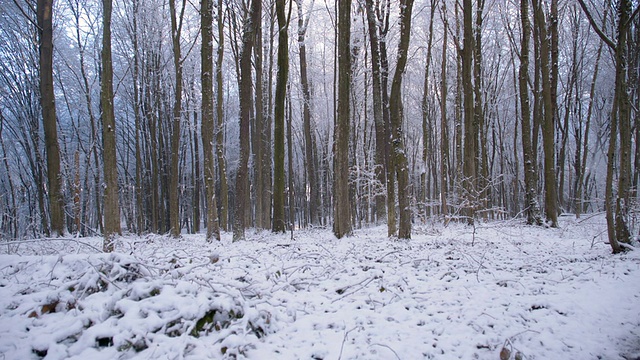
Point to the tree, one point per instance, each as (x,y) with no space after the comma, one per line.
(174,186)
(470,131)
(341,206)
(530,173)
(251,22)
(309,136)
(396,113)
(382,139)
(617,213)
(207,125)
(279,223)
(548,124)
(111,201)
(219,126)
(44,10)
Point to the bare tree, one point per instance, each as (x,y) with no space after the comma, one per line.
(530,173)
(44,10)
(396,113)
(252,21)
(207,125)
(111,201)
(279,223)
(341,206)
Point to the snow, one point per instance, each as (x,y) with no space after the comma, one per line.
(449,293)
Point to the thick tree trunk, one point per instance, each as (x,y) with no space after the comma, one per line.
(341,206)
(207,123)
(111,202)
(378,118)
(532,209)
(44,10)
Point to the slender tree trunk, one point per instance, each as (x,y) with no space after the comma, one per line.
(396,112)
(341,206)
(207,123)
(548,128)
(174,186)
(139,206)
(470,131)
(309,136)
(444,126)
(219,126)
(427,127)
(44,10)
(279,223)
(252,21)
(111,201)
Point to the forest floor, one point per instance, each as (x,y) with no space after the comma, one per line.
(451,292)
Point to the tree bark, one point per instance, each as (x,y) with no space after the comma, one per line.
(396,114)
(532,208)
(111,201)
(279,223)
(219,126)
(341,206)
(548,127)
(174,186)
(248,38)
(207,122)
(44,10)
(470,131)
(309,136)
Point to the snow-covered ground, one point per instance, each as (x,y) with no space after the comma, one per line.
(449,293)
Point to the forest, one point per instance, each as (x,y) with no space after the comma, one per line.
(172,117)
(319,179)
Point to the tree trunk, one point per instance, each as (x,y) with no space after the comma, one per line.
(279,223)
(341,206)
(207,122)
(532,209)
(174,186)
(309,136)
(548,128)
(427,127)
(444,126)
(248,38)
(470,131)
(396,113)
(44,12)
(111,202)
(219,126)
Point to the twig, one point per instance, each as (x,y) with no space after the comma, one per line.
(344,339)
(388,347)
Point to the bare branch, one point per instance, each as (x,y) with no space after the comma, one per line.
(595,26)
